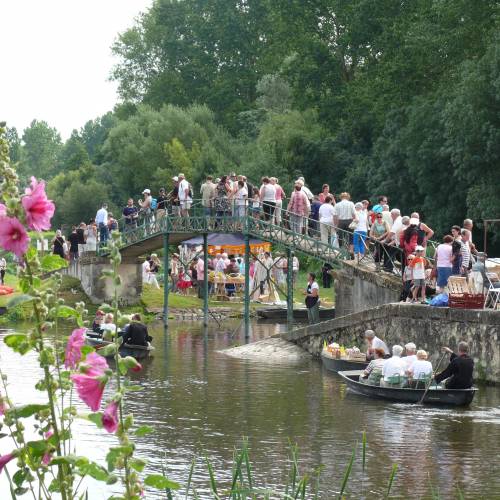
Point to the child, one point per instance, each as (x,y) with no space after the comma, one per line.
(407,280)
(256,203)
(418,265)
(184,282)
(98,320)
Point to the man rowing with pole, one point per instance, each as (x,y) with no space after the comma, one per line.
(459,371)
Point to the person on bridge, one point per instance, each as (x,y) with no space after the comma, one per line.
(185,195)
(345,213)
(101,219)
(458,374)
(299,208)
(312,298)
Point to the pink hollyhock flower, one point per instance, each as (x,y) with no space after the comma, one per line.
(38,208)
(3,406)
(47,457)
(3,210)
(137,367)
(90,384)
(13,236)
(110,417)
(74,346)
(5,459)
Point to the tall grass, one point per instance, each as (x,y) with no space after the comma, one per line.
(298,485)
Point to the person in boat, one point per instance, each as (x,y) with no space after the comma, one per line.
(411,355)
(393,371)
(108,327)
(374,343)
(137,332)
(373,372)
(98,321)
(458,374)
(420,371)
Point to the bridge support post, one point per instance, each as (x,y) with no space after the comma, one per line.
(205,279)
(289,292)
(247,286)
(165,279)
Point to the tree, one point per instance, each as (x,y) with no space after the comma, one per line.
(73,154)
(14,144)
(41,147)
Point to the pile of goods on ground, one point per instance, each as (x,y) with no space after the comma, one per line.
(340,352)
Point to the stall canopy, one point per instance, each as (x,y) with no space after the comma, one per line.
(230,243)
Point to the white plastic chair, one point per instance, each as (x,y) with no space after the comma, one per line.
(493,293)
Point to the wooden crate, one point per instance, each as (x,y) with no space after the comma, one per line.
(466,300)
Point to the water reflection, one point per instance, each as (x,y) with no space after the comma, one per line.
(201,402)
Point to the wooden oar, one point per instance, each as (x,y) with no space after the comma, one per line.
(432,378)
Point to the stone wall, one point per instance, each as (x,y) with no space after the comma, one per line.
(358,288)
(429,327)
(89,268)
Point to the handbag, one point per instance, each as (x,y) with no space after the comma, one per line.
(353,225)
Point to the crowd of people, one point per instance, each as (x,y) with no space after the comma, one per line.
(398,243)
(413,368)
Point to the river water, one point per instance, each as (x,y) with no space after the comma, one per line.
(202,403)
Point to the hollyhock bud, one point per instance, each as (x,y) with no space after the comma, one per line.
(5,459)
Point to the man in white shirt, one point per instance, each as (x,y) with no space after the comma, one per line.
(207,192)
(393,367)
(374,343)
(326,214)
(411,355)
(184,195)
(101,219)
(345,213)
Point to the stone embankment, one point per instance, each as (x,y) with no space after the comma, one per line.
(430,328)
(271,350)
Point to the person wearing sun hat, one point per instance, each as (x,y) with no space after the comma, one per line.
(418,265)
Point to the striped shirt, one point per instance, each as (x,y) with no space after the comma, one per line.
(345,210)
(465,252)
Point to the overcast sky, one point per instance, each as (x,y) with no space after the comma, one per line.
(56,59)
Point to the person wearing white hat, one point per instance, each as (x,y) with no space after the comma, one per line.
(185,197)
(411,356)
(418,265)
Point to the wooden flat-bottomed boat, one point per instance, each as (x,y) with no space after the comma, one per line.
(434,396)
(136,351)
(333,364)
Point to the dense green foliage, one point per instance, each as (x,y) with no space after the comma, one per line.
(388,97)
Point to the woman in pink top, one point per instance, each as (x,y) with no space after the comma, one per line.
(444,264)
(298,206)
(280,196)
(324,193)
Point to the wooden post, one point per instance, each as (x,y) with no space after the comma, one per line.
(165,279)
(205,279)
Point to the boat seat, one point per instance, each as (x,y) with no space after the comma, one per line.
(374,377)
(395,381)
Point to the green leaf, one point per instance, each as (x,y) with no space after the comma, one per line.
(69,460)
(67,312)
(93,470)
(18,342)
(27,410)
(137,464)
(19,299)
(96,418)
(122,366)
(19,477)
(143,430)
(37,448)
(52,262)
(160,482)
(31,253)
(117,453)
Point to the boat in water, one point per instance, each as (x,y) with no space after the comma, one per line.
(136,351)
(435,395)
(299,313)
(334,364)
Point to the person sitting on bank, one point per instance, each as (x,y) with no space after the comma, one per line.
(393,370)
(374,343)
(373,372)
(312,298)
(420,371)
(411,356)
(137,332)
(459,372)
(98,321)
(108,327)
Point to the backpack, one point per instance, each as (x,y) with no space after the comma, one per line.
(154,203)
